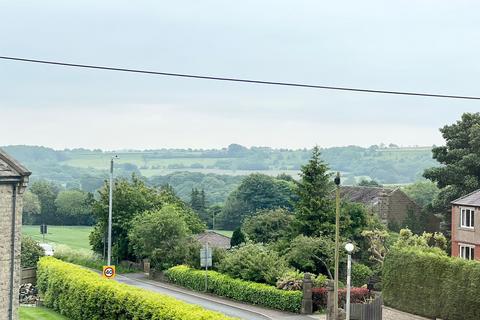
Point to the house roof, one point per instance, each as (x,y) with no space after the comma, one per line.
(365,195)
(471,199)
(214,239)
(11,169)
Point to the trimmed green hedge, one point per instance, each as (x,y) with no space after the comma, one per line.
(432,285)
(81,294)
(236,289)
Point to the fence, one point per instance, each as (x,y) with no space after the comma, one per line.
(28,275)
(367,311)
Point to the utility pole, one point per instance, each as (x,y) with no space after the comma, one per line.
(337,244)
(110,200)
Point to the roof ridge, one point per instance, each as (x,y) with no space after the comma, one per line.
(465,196)
(9,160)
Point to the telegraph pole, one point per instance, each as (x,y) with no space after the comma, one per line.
(337,244)
(110,200)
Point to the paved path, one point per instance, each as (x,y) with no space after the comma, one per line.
(225,306)
(392,314)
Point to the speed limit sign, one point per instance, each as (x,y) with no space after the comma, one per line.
(108,272)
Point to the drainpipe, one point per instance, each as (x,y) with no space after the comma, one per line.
(12,253)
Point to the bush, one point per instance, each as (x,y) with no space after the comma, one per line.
(357,295)
(246,291)
(293,280)
(360,274)
(81,294)
(253,262)
(31,252)
(429,283)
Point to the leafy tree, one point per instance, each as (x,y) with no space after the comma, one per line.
(253,262)
(425,240)
(312,254)
(268,226)
(256,192)
(460,159)
(378,244)
(360,274)
(198,203)
(314,211)
(161,235)
(31,252)
(31,208)
(422,192)
(130,199)
(369,183)
(238,237)
(75,207)
(46,192)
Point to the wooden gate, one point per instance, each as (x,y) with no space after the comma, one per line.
(367,311)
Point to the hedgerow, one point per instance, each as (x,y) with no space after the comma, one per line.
(432,285)
(236,289)
(82,294)
(357,295)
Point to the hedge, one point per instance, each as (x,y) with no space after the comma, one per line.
(236,289)
(82,294)
(432,285)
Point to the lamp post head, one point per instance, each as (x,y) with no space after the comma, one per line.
(337,179)
(349,247)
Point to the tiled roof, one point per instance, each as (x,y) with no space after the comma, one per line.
(215,240)
(471,199)
(11,168)
(365,195)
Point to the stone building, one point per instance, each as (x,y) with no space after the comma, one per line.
(390,205)
(13,181)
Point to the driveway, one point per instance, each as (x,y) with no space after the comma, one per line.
(225,306)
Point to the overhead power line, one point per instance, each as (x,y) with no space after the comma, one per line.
(262,82)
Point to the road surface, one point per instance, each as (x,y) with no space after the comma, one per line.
(225,306)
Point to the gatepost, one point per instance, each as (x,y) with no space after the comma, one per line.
(307,304)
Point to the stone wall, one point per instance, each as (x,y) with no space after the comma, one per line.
(6,193)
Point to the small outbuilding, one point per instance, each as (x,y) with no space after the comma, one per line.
(13,181)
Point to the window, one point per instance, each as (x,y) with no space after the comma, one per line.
(467,218)
(467,252)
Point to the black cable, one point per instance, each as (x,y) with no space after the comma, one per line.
(288,84)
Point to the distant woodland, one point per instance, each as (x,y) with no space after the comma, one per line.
(219,171)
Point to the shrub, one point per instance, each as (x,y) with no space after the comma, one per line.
(236,289)
(268,226)
(30,252)
(81,294)
(293,280)
(429,283)
(360,274)
(357,295)
(253,262)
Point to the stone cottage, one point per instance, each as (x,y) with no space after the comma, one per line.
(13,181)
(390,205)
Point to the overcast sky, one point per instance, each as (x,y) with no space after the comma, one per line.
(420,45)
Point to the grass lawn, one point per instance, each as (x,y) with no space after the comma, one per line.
(39,313)
(227,233)
(76,237)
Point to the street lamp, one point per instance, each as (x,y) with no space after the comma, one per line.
(110,200)
(349,247)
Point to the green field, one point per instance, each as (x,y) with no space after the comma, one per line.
(76,237)
(39,313)
(225,232)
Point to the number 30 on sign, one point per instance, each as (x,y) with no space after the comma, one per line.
(108,272)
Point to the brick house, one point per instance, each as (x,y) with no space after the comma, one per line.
(465,233)
(13,180)
(390,205)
